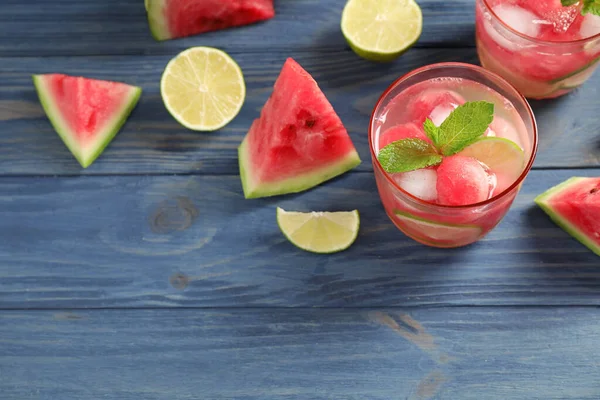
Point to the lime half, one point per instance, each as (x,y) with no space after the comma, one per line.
(501,155)
(381,30)
(203,88)
(319,232)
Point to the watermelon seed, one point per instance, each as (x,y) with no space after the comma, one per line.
(594,190)
(310,123)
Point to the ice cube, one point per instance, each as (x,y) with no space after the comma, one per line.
(461,181)
(422,106)
(441,112)
(420,183)
(519,19)
(590,26)
(399,132)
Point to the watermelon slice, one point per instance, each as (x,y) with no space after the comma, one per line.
(298,142)
(86,113)
(170,19)
(574,205)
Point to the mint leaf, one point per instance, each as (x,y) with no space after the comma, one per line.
(591,6)
(432,131)
(408,155)
(464,126)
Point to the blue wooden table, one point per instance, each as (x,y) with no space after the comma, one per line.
(140,277)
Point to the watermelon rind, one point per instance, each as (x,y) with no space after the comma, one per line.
(544,202)
(253,190)
(156,19)
(85,158)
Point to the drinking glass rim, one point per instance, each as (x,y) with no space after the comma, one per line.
(536,40)
(483,71)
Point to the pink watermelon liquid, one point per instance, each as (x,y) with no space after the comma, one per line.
(460,200)
(543,49)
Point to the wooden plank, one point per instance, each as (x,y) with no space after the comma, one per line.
(153,142)
(193,241)
(464,353)
(88,27)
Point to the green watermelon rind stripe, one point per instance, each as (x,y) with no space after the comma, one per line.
(544,202)
(292,185)
(157,19)
(113,125)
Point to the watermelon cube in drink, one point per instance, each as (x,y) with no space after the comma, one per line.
(541,47)
(451,144)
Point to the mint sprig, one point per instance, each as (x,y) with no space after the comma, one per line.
(462,128)
(589,6)
(407,155)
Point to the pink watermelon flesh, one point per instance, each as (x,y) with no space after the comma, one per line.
(554,15)
(86,113)
(461,181)
(298,142)
(171,19)
(399,132)
(574,205)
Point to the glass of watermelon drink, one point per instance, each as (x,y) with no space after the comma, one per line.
(458,195)
(542,48)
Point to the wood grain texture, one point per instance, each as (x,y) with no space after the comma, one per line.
(153,142)
(193,241)
(119,27)
(449,354)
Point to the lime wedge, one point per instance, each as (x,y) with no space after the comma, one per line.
(436,232)
(319,232)
(203,88)
(381,30)
(501,155)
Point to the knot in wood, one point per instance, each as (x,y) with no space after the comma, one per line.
(179,281)
(173,215)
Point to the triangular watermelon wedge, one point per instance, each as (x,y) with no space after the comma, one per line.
(170,19)
(574,205)
(297,143)
(86,113)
